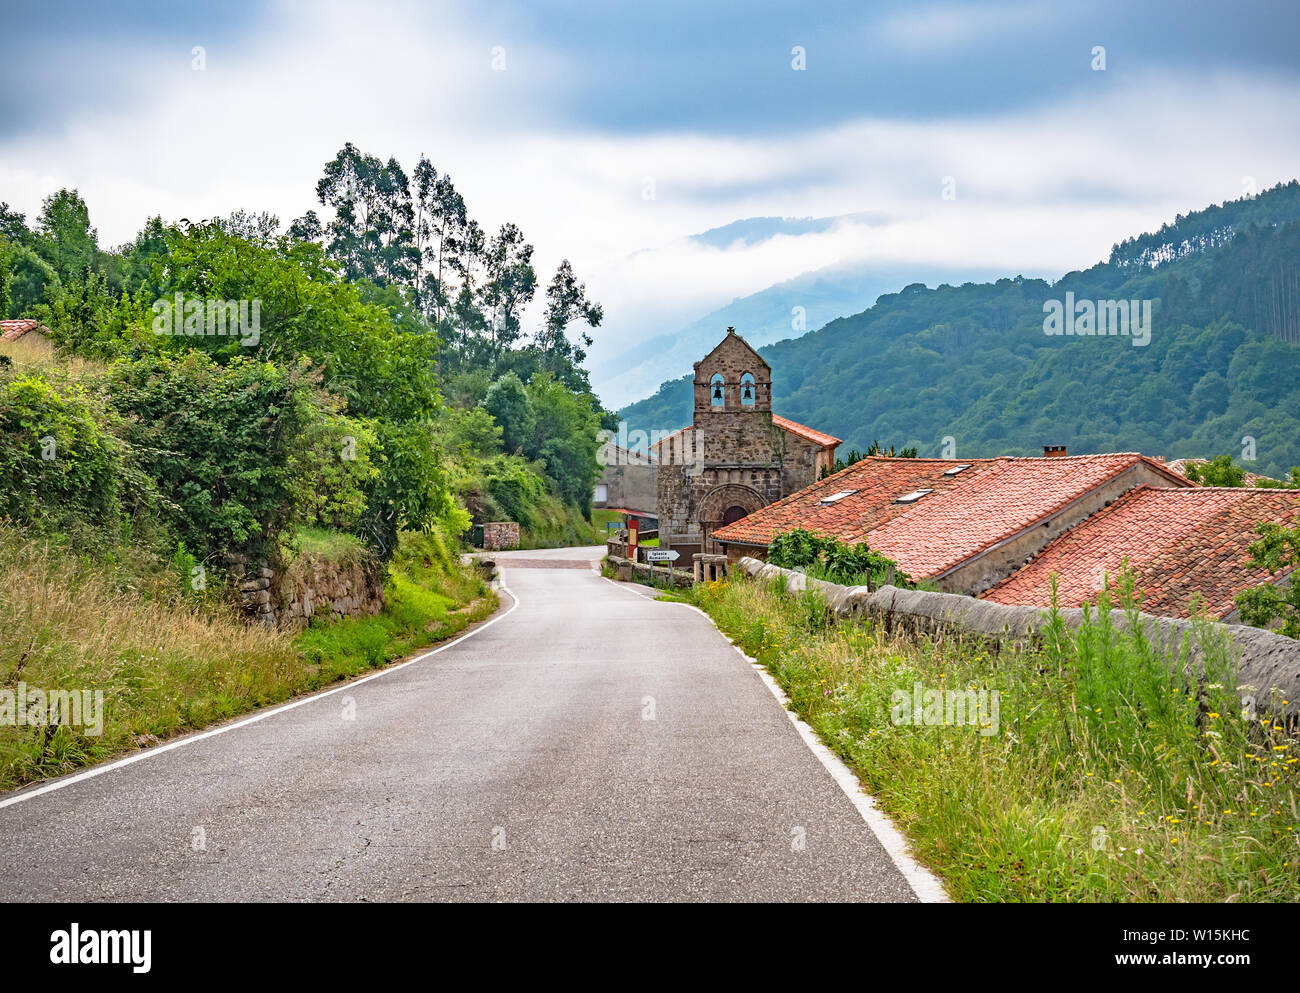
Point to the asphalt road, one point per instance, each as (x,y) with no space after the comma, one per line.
(590,744)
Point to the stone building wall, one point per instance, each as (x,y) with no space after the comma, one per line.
(733,455)
(632,486)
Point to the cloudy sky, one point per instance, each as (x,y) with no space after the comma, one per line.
(612,132)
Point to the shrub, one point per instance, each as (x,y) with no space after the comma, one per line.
(218,440)
(57,459)
(836,561)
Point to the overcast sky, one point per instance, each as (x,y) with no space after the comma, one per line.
(614,131)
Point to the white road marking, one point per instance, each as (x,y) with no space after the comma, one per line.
(925,884)
(140,756)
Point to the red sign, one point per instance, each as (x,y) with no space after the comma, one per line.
(632,525)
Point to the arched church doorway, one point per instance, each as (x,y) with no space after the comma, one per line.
(733,514)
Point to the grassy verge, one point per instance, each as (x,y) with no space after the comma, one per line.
(1100,775)
(428,598)
(167,663)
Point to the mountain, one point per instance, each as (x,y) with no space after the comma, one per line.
(766,316)
(970,365)
(754,230)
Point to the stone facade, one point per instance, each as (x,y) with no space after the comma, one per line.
(734,459)
(500,536)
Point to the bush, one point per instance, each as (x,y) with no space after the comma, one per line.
(219,442)
(57,458)
(834,560)
(333,466)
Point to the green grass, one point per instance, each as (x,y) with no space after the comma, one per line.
(599,518)
(335,546)
(1109,777)
(413,617)
(168,663)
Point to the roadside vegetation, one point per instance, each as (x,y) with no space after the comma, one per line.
(1103,775)
(167,661)
(222,404)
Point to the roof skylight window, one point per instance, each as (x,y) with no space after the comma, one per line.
(913,496)
(956,469)
(837,497)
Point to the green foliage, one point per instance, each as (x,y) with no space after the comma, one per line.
(57,456)
(1277,550)
(565,426)
(30,280)
(833,560)
(219,441)
(511,407)
(1219,471)
(1291,482)
(349,321)
(332,463)
(84,318)
(64,237)
(6,275)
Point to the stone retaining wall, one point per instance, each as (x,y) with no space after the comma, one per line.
(500,536)
(311,587)
(1265,661)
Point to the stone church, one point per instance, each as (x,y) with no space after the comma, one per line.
(737,456)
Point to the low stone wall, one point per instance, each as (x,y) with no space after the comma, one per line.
(311,587)
(1265,661)
(627,571)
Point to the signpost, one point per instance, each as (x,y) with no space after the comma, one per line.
(633,526)
(654,555)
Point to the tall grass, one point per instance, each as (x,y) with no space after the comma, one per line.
(1113,776)
(163,664)
(167,661)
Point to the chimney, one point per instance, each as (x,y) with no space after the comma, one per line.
(1054,451)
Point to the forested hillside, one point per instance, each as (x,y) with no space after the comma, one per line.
(971,364)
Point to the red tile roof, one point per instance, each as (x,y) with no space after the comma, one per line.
(13,330)
(816,437)
(1178,542)
(784,423)
(966,513)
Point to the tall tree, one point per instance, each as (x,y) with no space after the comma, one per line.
(371,234)
(442,236)
(566,302)
(511,283)
(65,238)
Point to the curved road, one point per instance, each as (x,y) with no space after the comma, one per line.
(587,743)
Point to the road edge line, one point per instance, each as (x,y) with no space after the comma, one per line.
(924,883)
(189,739)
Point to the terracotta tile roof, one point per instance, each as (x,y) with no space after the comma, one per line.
(13,330)
(784,423)
(964,514)
(1177,541)
(649,515)
(816,437)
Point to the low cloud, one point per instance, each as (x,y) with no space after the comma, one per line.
(1038,191)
